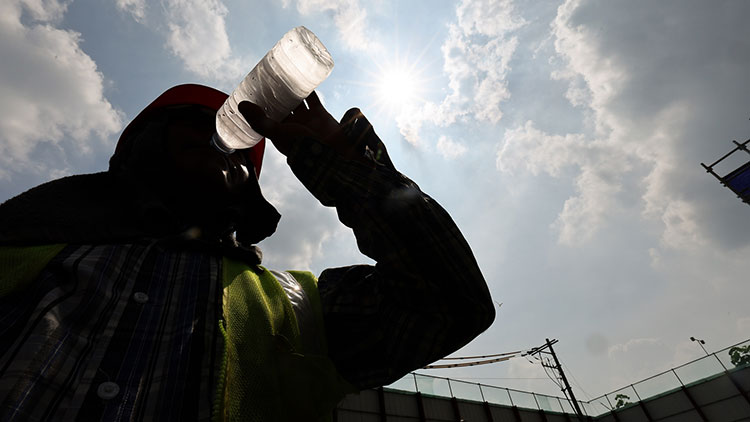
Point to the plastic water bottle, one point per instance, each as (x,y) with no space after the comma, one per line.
(287,74)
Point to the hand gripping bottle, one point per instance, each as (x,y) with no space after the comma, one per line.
(287,74)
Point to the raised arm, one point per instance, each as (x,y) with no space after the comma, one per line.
(426,296)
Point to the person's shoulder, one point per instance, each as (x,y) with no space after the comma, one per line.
(54,204)
(77,184)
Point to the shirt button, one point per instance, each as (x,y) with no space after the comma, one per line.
(107,390)
(140,297)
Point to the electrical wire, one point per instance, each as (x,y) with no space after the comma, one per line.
(461,365)
(575,381)
(483,356)
(556,380)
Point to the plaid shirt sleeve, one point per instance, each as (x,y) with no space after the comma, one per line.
(425,297)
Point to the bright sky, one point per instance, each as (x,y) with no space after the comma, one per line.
(563,136)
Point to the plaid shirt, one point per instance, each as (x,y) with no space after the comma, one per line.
(121,332)
(426,296)
(113,332)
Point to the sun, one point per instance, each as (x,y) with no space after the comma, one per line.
(397,87)
(398,82)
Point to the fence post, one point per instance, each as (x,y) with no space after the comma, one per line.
(536,401)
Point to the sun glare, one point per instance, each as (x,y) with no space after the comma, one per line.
(399,81)
(397,87)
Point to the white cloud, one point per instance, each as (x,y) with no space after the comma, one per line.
(476,57)
(487,17)
(639,358)
(137,8)
(195,32)
(449,148)
(412,117)
(602,74)
(681,230)
(308,233)
(198,36)
(650,87)
(40,10)
(527,148)
(617,351)
(584,214)
(477,54)
(349,17)
(51,91)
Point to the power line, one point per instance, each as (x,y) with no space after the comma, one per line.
(575,381)
(483,356)
(556,380)
(498,357)
(461,365)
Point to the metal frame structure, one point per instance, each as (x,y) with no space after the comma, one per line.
(738,180)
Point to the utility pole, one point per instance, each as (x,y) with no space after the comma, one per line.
(567,390)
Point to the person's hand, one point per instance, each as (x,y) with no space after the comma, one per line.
(309,119)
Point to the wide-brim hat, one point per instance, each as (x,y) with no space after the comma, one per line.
(188,94)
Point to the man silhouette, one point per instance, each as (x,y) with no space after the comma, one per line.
(137,293)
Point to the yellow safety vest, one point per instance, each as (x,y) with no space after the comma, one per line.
(270,377)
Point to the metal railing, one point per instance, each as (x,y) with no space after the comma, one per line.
(446,387)
(678,377)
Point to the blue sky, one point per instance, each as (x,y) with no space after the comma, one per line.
(564,137)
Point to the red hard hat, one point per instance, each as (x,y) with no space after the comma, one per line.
(191,94)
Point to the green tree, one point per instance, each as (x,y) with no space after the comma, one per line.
(740,355)
(621,400)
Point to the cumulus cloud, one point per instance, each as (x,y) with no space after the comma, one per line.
(52,92)
(476,57)
(681,230)
(195,33)
(597,184)
(198,36)
(449,148)
(349,16)
(410,121)
(528,148)
(650,86)
(477,64)
(137,8)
